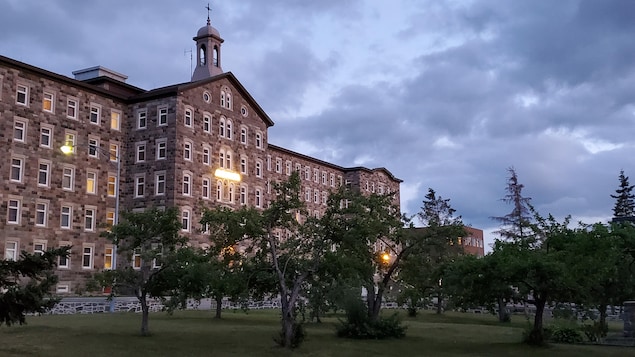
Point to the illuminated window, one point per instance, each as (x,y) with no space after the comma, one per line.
(112,185)
(115,120)
(48,101)
(108,258)
(114,152)
(91,182)
(136,259)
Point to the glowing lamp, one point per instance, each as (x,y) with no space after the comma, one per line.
(226,174)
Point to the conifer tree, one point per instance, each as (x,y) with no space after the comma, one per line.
(624,198)
(515,225)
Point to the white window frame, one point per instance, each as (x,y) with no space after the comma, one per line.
(161,145)
(71,178)
(259,141)
(22,90)
(244,135)
(162,116)
(68,214)
(188,118)
(94,116)
(187,150)
(243,165)
(140,151)
(17,166)
(229,130)
(20,127)
(258,198)
(136,259)
(139,185)
(11,249)
(258,169)
(90,216)
(278,165)
(91,178)
(48,97)
(72,106)
(46,131)
(108,254)
(14,205)
(157,183)
(186,219)
(205,188)
(187,184)
(243,195)
(88,251)
(41,213)
(114,151)
(207,152)
(112,186)
(93,147)
(64,262)
(142,119)
(70,138)
(207,123)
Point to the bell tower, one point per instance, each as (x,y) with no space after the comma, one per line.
(208,53)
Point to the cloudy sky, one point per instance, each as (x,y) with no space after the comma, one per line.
(445,94)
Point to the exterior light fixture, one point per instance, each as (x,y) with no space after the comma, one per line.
(228,175)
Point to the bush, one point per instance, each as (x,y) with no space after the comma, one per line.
(595,331)
(565,335)
(359,326)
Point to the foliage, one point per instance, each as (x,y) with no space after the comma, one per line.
(359,325)
(595,331)
(515,225)
(26,285)
(152,237)
(624,198)
(563,334)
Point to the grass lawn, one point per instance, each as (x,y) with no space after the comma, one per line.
(196,333)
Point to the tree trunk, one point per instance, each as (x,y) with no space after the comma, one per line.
(536,336)
(439,302)
(602,309)
(144,315)
(501,310)
(219,305)
(373,301)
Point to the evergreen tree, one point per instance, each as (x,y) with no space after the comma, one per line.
(515,225)
(624,198)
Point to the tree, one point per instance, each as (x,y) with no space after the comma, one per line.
(26,285)
(515,225)
(151,240)
(624,198)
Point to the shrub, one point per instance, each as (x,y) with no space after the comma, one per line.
(359,326)
(565,335)
(595,331)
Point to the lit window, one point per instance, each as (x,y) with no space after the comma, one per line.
(159,184)
(114,152)
(91,182)
(13,211)
(112,185)
(41,214)
(89,219)
(115,120)
(69,139)
(71,108)
(87,257)
(162,116)
(17,169)
(22,95)
(19,131)
(142,119)
(95,114)
(136,259)
(46,134)
(108,258)
(11,250)
(48,99)
(68,178)
(140,182)
(110,218)
(187,120)
(65,218)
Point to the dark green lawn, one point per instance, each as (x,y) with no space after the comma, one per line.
(196,333)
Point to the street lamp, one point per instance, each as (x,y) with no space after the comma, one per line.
(69,148)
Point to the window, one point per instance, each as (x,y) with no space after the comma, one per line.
(114,152)
(68,178)
(87,257)
(142,119)
(11,250)
(316,175)
(225,159)
(95,114)
(136,259)
(324,197)
(332,180)
(206,155)
(323,177)
(258,198)
(372,187)
(141,152)
(307,194)
(13,211)
(185,220)
(19,131)
(115,120)
(258,169)
(207,124)
(66,217)
(298,168)
(187,119)
(22,95)
(206,96)
(278,165)
(221,159)
(231,193)
(229,101)
(64,262)
(159,184)
(187,184)
(228,132)
(205,188)
(69,139)
(187,150)
(108,258)
(243,195)
(162,149)
(48,100)
(89,219)
(158,255)
(219,190)
(71,108)
(222,98)
(243,165)
(93,147)
(243,136)
(110,218)
(221,127)
(307,173)
(46,136)
(17,169)
(39,247)
(259,140)
(316,196)
(139,185)
(91,182)
(288,168)
(243,111)
(162,118)
(112,185)
(41,214)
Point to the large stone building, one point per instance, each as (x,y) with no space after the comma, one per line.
(192,145)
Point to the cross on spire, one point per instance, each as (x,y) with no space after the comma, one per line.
(208,11)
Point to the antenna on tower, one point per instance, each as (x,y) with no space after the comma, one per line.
(190,52)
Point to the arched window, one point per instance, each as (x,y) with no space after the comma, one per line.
(221,127)
(231,193)
(228,160)
(229,100)
(221,159)
(228,132)
(243,136)
(215,56)
(243,195)
(219,190)
(222,98)
(202,55)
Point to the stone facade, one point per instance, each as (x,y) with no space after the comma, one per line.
(175,147)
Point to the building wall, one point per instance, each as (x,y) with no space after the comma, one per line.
(474,243)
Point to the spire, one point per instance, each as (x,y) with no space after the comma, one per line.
(208,43)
